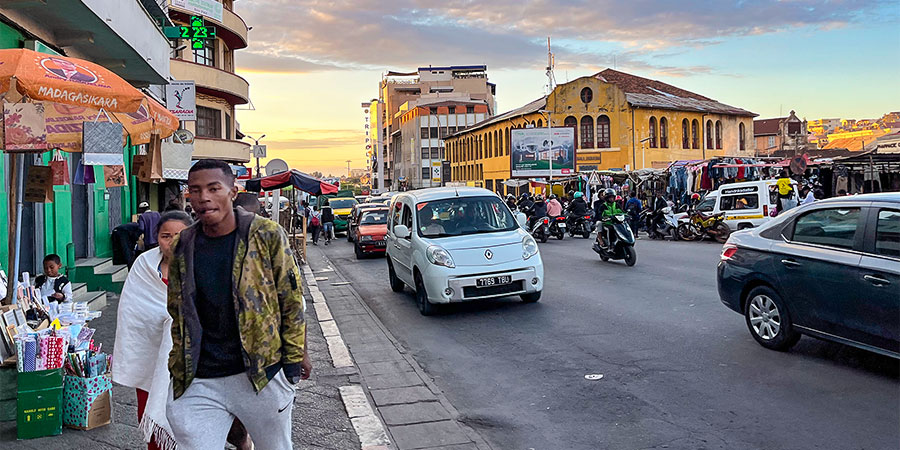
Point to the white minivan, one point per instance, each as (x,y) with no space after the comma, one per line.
(746,205)
(460,244)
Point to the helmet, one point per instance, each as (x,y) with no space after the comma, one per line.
(525,195)
(695,196)
(618,197)
(579,194)
(552,197)
(538,198)
(510,196)
(609,192)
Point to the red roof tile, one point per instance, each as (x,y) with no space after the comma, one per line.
(765,127)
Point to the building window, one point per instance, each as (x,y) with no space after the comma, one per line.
(587,132)
(771,142)
(603,140)
(540,123)
(425,153)
(423,133)
(572,122)
(685,135)
(741,142)
(442,131)
(207,54)
(432,110)
(506,145)
(719,134)
(435,153)
(663,133)
(470,109)
(587,95)
(709,134)
(426,173)
(653,132)
(228,126)
(695,134)
(209,122)
(434,132)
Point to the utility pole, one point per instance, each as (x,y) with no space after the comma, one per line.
(550,80)
(348,168)
(256,141)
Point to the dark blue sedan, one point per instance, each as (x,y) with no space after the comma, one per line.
(830,269)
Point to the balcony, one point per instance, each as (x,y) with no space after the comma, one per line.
(224,149)
(213,81)
(231,29)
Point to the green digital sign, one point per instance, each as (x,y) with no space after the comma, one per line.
(197,32)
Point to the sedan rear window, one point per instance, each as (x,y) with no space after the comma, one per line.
(887,233)
(834,227)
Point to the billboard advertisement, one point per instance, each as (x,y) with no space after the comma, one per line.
(533,151)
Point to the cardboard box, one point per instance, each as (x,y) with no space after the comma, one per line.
(88,402)
(40,396)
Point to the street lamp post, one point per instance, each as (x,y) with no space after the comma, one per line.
(256,141)
(644,152)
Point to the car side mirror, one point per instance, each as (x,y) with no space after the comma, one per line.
(521,219)
(401,231)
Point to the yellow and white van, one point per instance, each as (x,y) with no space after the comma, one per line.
(747,204)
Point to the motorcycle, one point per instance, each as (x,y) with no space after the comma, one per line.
(582,225)
(540,230)
(699,225)
(667,225)
(621,244)
(558,227)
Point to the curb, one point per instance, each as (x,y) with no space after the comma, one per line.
(400,432)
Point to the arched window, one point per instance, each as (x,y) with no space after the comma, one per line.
(685,135)
(652,132)
(506,142)
(741,144)
(603,140)
(587,132)
(572,122)
(540,123)
(695,134)
(719,134)
(709,134)
(663,132)
(587,95)
(497,150)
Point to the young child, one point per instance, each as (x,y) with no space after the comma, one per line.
(53,286)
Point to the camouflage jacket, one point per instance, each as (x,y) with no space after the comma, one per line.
(268,302)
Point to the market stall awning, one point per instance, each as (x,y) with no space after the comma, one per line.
(295,178)
(69,81)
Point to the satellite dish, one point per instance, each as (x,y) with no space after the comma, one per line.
(276,166)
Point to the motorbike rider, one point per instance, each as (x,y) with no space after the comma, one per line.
(554,209)
(608,209)
(525,202)
(577,208)
(633,206)
(511,202)
(537,211)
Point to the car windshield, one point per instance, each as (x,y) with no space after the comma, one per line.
(342,203)
(463,215)
(707,205)
(374,217)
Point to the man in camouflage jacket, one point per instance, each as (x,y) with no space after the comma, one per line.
(238,320)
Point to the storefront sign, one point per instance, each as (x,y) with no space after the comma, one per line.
(211,9)
(181,99)
(533,150)
(585,157)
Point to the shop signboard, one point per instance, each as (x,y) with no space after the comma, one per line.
(211,9)
(181,99)
(533,149)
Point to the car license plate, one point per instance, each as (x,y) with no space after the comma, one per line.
(493,281)
(561,225)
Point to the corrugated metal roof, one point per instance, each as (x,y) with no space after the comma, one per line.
(670,101)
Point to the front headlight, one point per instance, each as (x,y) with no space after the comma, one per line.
(529,247)
(365,238)
(438,256)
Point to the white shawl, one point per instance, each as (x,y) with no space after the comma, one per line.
(143,342)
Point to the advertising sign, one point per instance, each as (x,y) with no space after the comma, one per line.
(181,99)
(533,150)
(211,9)
(436,172)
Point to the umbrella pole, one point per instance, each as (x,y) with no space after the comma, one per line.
(17,172)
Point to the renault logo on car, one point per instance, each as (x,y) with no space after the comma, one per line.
(488,254)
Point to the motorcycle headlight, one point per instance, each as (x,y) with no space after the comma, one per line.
(439,257)
(365,238)
(529,247)
(620,217)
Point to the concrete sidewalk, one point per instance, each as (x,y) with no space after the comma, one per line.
(416,414)
(320,420)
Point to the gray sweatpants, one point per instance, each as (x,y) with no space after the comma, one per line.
(202,416)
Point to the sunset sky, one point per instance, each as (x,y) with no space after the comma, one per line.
(310,63)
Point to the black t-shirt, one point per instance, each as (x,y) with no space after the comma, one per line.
(221,353)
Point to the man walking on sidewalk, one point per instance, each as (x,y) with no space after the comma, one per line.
(239,333)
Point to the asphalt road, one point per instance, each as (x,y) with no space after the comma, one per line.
(680,370)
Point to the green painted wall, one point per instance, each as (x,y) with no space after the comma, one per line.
(58,215)
(102,243)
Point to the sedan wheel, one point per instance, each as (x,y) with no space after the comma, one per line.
(426,308)
(396,284)
(768,320)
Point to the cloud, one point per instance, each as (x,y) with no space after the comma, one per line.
(311,35)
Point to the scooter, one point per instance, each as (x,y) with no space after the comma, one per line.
(558,227)
(667,226)
(700,225)
(541,229)
(621,244)
(582,225)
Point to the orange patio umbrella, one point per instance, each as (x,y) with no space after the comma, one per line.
(65,80)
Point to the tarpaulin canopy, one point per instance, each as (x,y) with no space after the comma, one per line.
(293,178)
